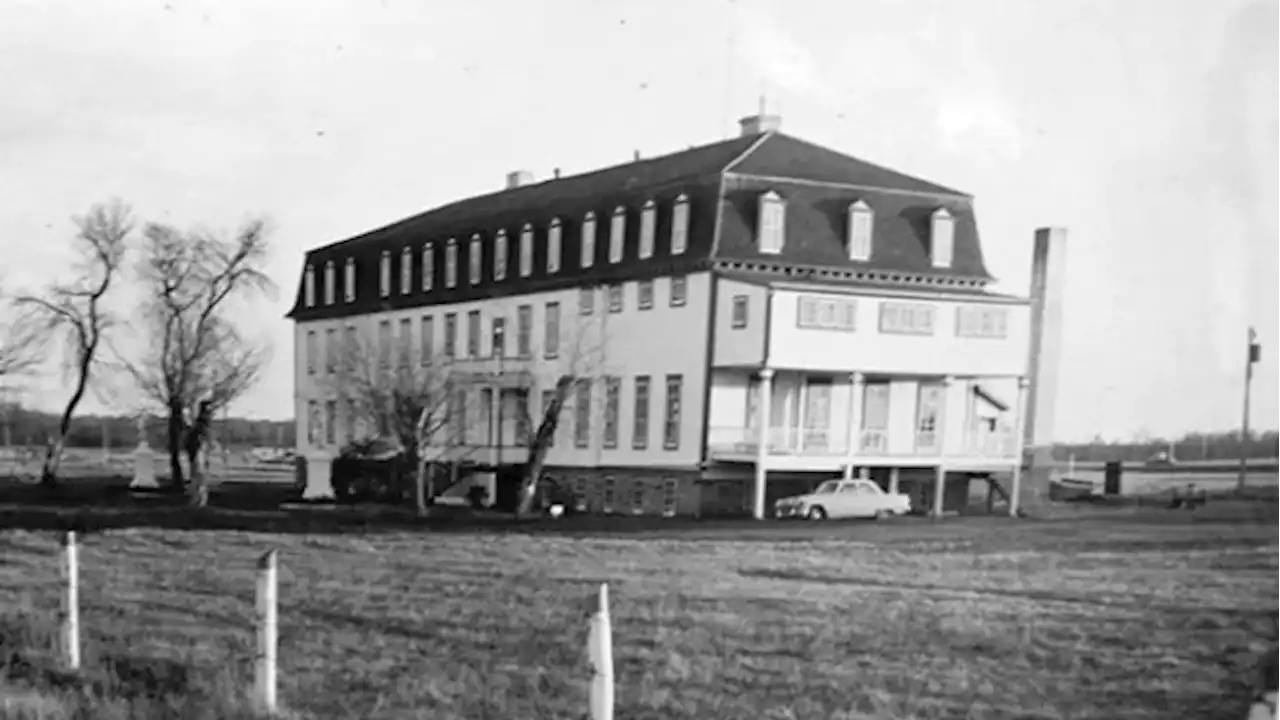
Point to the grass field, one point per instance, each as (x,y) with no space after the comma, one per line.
(1134,614)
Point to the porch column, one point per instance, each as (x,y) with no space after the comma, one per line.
(938,487)
(762,445)
(1019,424)
(854,420)
(894,477)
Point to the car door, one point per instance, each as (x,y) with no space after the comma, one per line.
(844,501)
(871,498)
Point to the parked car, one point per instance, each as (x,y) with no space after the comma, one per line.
(844,499)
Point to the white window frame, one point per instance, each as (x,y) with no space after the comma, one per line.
(406,270)
(475,260)
(555,232)
(907,318)
(983,322)
(384,274)
(648,226)
(670,497)
(587,248)
(526,250)
(617,234)
(428,266)
(349,280)
(500,256)
(772,223)
(942,238)
(815,312)
(309,286)
(451,263)
(861,224)
(680,225)
(330,282)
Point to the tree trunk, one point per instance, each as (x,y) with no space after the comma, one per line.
(419,488)
(174,445)
(52,458)
(53,454)
(541,443)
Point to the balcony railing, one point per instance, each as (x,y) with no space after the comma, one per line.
(781,441)
(740,441)
(991,444)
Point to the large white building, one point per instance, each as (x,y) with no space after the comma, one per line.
(746,318)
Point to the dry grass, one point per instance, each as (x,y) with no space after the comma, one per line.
(1101,618)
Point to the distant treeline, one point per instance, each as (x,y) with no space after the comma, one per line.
(24,426)
(1191,447)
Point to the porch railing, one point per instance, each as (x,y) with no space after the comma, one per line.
(744,441)
(781,441)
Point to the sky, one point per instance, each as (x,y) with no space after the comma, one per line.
(1147,128)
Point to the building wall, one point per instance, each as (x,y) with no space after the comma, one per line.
(740,345)
(869,349)
(658,342)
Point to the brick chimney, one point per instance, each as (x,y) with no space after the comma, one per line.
(756,124)
(1048,275)
(519,177)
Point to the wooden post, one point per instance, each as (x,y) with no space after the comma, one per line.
(265,660)
(760,489)
(600,648)
(70,620)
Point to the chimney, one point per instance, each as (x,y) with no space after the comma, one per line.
(556,173)
(756,124)
(1048,268)
(518,178)
(637,157)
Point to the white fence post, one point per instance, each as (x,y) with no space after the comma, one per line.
(600,648)
(70,621)
(265,660)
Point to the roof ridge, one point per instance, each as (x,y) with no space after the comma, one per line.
(946,190)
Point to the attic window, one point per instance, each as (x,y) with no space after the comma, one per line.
(451,264)
(588,248)
(861,220)
(680,225)
(473,260)
(526,250)
(648,220)
(617,234)
(349,280)
(773,222)
(330,283)
(942,238)
(500,256)
(384,274)
(309,286)
(428,266)
(553,247)
(406,271)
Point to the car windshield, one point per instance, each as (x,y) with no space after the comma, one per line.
(827,487)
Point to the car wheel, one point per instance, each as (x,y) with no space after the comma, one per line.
(816,513)
(883,514)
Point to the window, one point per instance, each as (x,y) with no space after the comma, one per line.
(349,280)
(612,393)
(644,294)
(524,331)
(526,250)
(739,311)
(588,248)
(406,271)
(451,263)
(330,283)
(640,428)
(309,286)
(351,347)
(450,335)
(678,283)
(384,343)
(928,410)
(586,301)
(875,406)
(498,342)
(460,416)
(331,421)
(860,223)
(617,234)
(311,352)
(548,397)
(426,343)
(648,223)
(553,247)
(484,410)
(331,350)
(551,343)
(524,429)
(473,333)
(606,500)
(670,497)
(384,274)
(680,225)
(753,401)
(982,322)
(615,298)
(500,256)
(405,341)
(313,421)
(826,313)
(671,426)
(637,499)
(772,223)
(428,266)
(582,414)
(349,421)
(902,318)
(474,257)
(942,238)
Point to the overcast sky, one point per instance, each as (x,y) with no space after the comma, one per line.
(1147,128)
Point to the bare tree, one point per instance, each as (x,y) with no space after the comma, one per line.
(20,347)
(197,361)
(77,312)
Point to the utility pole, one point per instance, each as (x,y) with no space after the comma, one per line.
(1254,354)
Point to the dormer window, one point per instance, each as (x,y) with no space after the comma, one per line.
(648,221)
(384,274)
(428,266)
(526,250)
(942,238)
(406,271)
(680,225)
(588,240)
(500,256)
(309,286)
(861,220)
(553,247)
(617,234)
(474,258)
(451,264)
(330,283)
(773,222)
(349,280)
